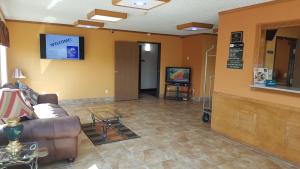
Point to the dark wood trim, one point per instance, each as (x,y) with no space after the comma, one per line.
(152,89)
(37,22)
(158,70)
(88,23)
(140,66)
(280,24)
(209,34)
(253,6)
(112,30)
(195,24)
(107,13)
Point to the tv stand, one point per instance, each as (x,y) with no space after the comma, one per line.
(177,91)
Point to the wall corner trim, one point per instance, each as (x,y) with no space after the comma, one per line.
(254,6)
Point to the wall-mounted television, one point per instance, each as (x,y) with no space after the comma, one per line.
(178,75)
(61,47)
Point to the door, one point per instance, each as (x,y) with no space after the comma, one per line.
(281,62)
(296,74)
(284,60)
(126,70)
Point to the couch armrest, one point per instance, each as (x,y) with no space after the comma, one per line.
(52,128)
(47,98)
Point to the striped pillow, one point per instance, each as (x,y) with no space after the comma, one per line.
(12,105)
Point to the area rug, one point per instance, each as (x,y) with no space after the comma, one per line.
(117,132)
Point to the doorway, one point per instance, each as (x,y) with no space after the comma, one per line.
(284,60)
(149,71)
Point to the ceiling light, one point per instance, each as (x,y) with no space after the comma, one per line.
(88,24)
(147,47)
(194,26)
(140,4)
(104,15)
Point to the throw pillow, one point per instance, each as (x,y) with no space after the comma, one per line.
(26,100)
(13,106)
(10,86)
(33,96)
(29,94)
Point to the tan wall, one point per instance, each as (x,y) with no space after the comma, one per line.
(236,83)
(79,79)
(194,48)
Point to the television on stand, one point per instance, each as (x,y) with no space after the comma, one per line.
(179,77)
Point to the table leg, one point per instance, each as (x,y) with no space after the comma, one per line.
(33,164)
(93,119)
(104,130)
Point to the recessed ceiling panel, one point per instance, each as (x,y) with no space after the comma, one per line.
(139,4)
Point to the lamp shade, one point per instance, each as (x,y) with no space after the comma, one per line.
(18,74)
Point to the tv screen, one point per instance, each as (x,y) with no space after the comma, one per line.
(178,75)
(61,47)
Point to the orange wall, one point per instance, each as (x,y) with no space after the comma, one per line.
(236,82)
(79,79)
(194,48)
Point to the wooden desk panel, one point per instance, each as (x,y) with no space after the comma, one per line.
(272,128)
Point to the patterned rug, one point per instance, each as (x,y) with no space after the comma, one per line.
(117,132)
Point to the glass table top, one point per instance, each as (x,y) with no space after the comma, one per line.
(28,152)
(104,113)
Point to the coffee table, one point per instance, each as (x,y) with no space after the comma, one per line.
(105,116)
(28,156)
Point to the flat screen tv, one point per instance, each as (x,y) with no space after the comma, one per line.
(61,47)
(178,75)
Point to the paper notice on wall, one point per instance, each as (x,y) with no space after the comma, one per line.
(261,75)
(235,58)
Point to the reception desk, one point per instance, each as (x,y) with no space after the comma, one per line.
(272,128)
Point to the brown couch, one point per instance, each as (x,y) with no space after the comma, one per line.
(52,128)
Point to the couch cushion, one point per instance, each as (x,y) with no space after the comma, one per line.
(48,110)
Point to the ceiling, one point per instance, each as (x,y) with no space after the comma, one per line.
(162,19)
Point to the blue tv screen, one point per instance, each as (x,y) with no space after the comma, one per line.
(61,47)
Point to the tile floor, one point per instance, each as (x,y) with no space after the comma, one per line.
(172,137)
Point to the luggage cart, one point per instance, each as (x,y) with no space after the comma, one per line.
(207,101)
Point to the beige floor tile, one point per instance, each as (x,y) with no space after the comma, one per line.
(172,137)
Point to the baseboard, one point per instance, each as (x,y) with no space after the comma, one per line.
(152,89)
(86,101)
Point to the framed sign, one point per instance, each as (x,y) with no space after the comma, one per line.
(235,58)
(236,51)
(236,37)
